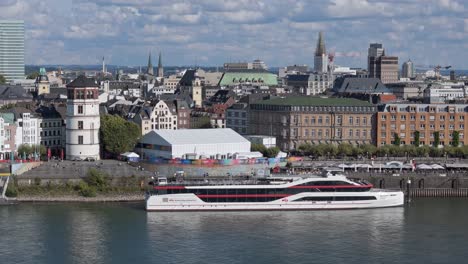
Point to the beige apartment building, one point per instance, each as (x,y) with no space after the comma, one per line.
(404,120)
(297,120)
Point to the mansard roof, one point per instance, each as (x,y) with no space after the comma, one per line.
(82,82)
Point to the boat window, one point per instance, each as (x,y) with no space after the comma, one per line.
(337,198)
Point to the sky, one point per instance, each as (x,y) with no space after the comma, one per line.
(211,32)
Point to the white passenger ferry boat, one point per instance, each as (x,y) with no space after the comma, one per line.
(312,192)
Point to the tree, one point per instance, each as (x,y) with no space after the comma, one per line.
(436,139)
(272,152)
(7,106)
(98,179)
(345,149)
(258,147)
(24,149)
(118,135)
(396,139)
(33,75)
(436,152)
(423,151)
(368,149)
(2,79)
(456,138)
(417,140)
(266,152)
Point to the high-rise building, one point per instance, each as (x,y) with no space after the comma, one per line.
(407,70)
(381,66)
(12,49)
(374,52)
(160,67)
(320,58)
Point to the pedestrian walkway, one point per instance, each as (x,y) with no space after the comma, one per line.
(79,169)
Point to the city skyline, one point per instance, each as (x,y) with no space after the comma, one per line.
(213,32)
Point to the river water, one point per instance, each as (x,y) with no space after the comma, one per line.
(426,231)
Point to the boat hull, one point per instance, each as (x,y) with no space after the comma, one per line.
(190,202)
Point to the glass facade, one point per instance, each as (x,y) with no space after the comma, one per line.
(12,49)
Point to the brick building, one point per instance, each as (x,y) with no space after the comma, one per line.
(405,120)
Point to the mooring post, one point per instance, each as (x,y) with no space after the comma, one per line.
(408,190)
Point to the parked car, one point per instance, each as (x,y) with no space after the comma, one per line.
(90,159)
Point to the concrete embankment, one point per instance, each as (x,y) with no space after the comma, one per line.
(137,197)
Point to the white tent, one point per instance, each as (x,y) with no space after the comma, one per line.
(424,167)
(344,166)
(130,155)
(437,167)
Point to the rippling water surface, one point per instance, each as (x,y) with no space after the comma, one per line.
(427,231)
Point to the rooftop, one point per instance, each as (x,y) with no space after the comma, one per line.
(315,101)
(82,82)
(234,78)
(194,136)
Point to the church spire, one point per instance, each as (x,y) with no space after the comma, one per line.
(150,66)
(160,66)
(320,50)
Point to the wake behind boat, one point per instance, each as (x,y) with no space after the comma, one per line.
(331,190)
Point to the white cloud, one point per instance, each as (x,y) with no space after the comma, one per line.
(212,31)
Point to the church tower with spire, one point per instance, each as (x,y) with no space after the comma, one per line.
(150,69)
(320,58)
(160,67)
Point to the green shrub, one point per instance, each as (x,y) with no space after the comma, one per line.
(37,181)
(85,190)
(11,191)
(97,179)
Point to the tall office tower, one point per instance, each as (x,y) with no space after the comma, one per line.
(12,49)
(381,66)
(160,67)
(320,58)
(387,69)
(407,69)
(375,51)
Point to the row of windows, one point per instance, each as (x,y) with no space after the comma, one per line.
(50,142)
(422,126)
(421,143)
(423,117)
(367,109)
(337,198)
(422,135)
(444,109)
(269,199)
(236,114)
(81,94)
(50,133)
(236,122)
(325,183)
(287,191)
(51,124)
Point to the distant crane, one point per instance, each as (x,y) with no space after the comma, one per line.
(436,69)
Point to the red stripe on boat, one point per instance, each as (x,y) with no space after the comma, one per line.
(241,195)
(169,187)
(330,186)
